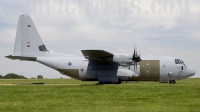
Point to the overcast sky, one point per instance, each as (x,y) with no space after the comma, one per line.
(157,27)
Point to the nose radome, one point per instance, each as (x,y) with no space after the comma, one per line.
(188,72)
(191,71)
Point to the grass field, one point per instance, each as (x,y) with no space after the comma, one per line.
(68,95)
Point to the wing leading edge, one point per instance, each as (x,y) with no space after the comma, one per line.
(100,56)
(96,53)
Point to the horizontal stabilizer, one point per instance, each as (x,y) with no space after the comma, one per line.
(21,58)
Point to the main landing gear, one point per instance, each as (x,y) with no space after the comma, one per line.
(117,82)
(172,82)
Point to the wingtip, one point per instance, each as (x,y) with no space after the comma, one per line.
(9,56)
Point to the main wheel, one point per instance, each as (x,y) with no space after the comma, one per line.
(119,81)
(172,82)
(101,82)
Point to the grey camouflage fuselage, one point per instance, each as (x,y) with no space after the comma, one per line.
(96,65)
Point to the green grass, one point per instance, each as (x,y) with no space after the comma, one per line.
(68,95)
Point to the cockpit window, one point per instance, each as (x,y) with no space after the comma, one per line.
(178,61)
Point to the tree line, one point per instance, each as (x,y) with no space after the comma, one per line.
(16,76)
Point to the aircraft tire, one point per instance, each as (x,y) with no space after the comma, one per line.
(172,82)
(119,81)
(100,82)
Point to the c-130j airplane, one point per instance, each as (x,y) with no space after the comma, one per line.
(97,65)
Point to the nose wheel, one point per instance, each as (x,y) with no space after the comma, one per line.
(172,82)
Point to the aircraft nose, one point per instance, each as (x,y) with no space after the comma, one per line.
(190,71)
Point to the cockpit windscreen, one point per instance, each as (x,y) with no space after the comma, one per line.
(178,61)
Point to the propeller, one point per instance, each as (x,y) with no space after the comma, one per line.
(136,57)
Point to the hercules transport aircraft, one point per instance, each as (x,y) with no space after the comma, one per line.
(97,65)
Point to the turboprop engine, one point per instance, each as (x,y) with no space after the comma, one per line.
(127,60)
(122,58)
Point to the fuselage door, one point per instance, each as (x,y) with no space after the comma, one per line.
(149,70)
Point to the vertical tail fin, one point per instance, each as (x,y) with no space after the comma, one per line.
(28,42)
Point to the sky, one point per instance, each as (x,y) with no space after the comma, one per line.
(157,27)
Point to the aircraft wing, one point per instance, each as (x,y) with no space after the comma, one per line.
(100,56)
(96,53)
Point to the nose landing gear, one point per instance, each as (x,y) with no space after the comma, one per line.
(172,82)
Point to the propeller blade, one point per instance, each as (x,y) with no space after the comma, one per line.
(134,64)
(136,51)
(136,57)
(136,67)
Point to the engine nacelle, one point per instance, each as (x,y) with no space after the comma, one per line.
(122,58)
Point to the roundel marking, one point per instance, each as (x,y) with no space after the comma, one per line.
(70,64)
